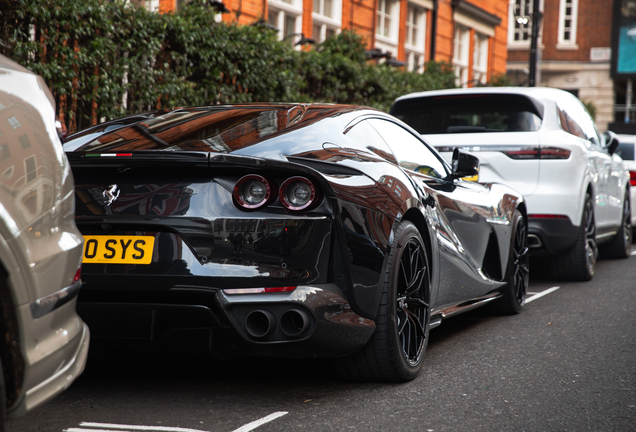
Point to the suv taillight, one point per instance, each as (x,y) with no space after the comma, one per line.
(537,153)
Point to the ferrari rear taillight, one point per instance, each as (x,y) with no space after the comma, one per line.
(632,178)
(297,193)
(252,192)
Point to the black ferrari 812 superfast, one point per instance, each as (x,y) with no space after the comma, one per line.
(290,230)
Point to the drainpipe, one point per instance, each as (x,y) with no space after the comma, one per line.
(375,23)
(433,29)
(628,101)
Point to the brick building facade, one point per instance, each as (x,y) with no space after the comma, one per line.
(574,50)
(470,34)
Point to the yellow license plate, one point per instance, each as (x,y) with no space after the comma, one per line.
(118,249)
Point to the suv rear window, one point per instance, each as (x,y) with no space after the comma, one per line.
(626,151)
(469,113)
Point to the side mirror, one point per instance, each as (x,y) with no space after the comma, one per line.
(611,141)
(464,164)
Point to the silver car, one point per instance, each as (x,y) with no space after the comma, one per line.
(44,343)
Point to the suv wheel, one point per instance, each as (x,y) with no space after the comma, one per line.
(578,263)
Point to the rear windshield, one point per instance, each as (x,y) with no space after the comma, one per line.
(626,151)
(469,113)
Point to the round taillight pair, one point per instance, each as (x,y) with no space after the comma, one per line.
(254,191)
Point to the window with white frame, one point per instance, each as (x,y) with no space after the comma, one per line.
(480,59)
(568,12)
(461,47)
(388,16)
(415,37)
(14,122)
(520,27)
(286,15)
(327,18)
(324,8)
(30,168)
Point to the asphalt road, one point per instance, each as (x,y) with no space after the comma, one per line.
(566,363)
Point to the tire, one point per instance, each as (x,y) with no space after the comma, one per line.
(517,270)
(3,400)
(621,245)
(395,351)
(578,263)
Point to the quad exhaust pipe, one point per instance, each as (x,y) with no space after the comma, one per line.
(261,323)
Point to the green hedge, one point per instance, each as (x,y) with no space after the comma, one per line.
(104,59)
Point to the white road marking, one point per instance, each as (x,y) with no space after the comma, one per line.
(119,427)
(106,427)
(633,252)
(542,293)
(257,423)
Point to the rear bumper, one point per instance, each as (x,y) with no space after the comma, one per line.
(311,321)
(49,374)
(551,236)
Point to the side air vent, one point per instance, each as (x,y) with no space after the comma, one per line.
(338,266)
(324,167)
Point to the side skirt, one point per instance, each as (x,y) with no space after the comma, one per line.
(450,311)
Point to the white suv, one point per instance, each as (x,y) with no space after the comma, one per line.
(543,143)
(627,151)
(44,343)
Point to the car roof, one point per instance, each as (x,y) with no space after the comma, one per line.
(537,93)
(216,128)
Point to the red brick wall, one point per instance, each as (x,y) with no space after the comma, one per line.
(445,31)
(594,28)
(361,15)
(166,6)
(249,11)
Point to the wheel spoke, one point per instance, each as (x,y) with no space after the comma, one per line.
(417,301)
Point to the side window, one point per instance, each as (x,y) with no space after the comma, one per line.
(367,137)
(575,119)
(568,123)
(410,152)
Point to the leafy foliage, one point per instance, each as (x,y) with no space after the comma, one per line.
(591,108)
(500,80)
(104,59)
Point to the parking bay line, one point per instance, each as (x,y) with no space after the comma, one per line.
(120,427)
(104,427)
(253,425)
(542,293)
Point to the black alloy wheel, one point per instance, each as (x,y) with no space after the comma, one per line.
(412,311)
(590,237)
(395,351)
(621,245)
(578,263)
(518,269)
